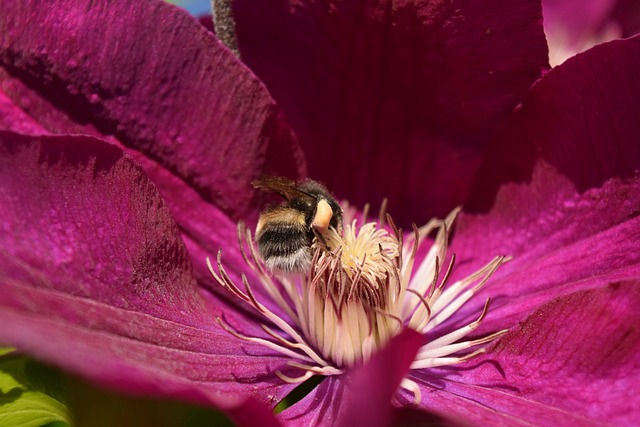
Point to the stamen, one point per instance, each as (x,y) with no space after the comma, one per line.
(451,301)
(447,274)
(444,361)
(454,348)
(408,266)
(382,213)
(323,370)
(240,230)
(459,333)
(313,355)
(296,380)
(261,341)
(412,387)
(365,212)
(359,291)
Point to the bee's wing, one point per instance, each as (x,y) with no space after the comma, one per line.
(281,185)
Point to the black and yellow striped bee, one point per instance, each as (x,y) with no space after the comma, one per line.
(285,233)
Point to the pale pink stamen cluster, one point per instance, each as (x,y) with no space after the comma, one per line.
(363,288)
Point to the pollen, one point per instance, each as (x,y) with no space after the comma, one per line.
(367,252)
(363,287)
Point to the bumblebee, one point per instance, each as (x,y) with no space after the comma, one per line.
(285,233)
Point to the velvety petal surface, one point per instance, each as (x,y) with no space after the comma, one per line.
(149,78)
(360,397)
(574,361)
(95,278)
(394,98)
(627,14)
(560,193)
(14,118)
(561,188)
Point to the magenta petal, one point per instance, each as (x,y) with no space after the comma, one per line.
(415,416)
(151,76)
(575,361)
(124,361)
(575,242)
(565,173)
(150,79)
(363,396)
(319,408)
(627,14)
(589,139)
(74,207)
(94,277)
(15,119)
(372,386)
(394,99)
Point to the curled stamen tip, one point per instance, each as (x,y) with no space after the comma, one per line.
(296,380)
(453,214)
(417,397)
(412,387)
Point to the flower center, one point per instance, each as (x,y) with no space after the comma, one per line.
(363,287)
(353,281)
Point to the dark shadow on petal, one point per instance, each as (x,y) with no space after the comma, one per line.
(413,417)
(324,399)
(507,160)
(588,139)
(37,77)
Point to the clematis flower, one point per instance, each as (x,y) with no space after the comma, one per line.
(129,139)
(572,28)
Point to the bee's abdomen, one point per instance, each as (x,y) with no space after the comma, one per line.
(284,246)
(281,239)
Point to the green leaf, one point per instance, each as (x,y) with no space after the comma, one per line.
(35,395)
(95,407)
(31,394)
(299,393)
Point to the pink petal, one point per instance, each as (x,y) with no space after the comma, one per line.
(589,139)
(13,118)
(627,14)
(394,99)
(582,242)
(373,385)
(95,278)
(575,361)
(147,74)
(568,192)
(363,396)
(150,79)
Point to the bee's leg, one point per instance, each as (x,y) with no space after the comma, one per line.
(320,239)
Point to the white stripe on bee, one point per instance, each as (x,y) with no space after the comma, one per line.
(300,260)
